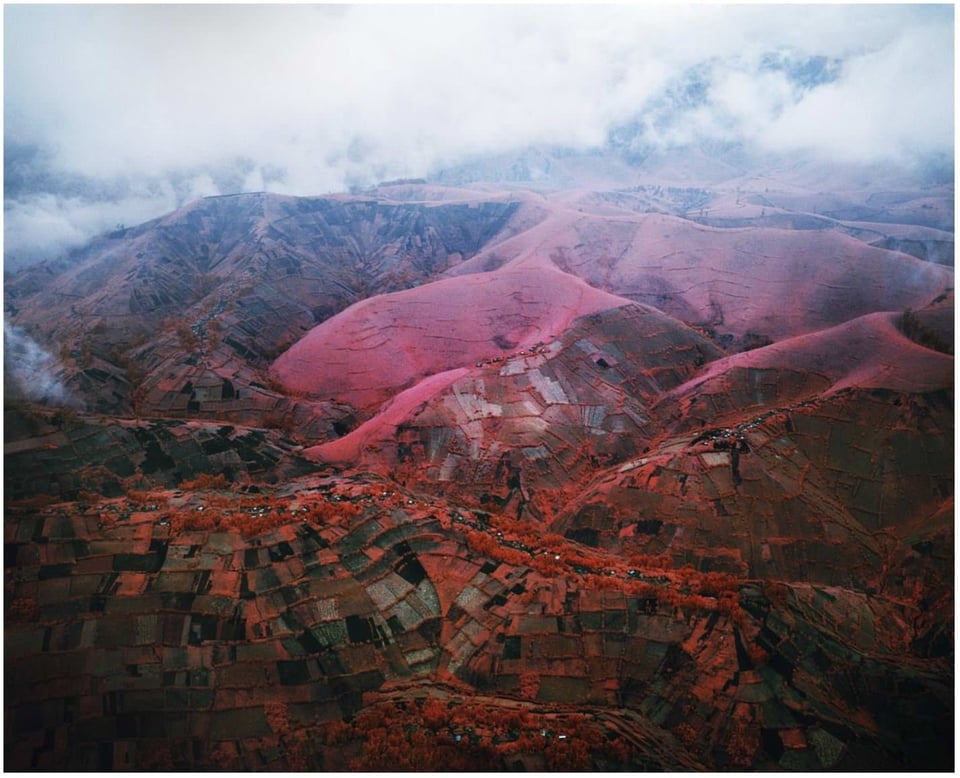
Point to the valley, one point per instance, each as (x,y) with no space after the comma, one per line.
(641,477)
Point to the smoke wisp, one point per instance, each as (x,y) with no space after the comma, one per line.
(31,371)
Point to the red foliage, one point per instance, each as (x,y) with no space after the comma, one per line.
(295,740)
(482,543)
(435,713)
(223,756)
(437,735)
(141,499)
(277,717)
(617,751)
(685,733)
(569,754)
(332,513)
(757,654)
(511,556)
(547,565)
(529,685)
(716,584)
(22,609)
(742,743)
(336,732)
(206,481)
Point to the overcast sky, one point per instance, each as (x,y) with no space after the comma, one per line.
(117,114)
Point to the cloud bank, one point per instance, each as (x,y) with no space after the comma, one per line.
(115,114)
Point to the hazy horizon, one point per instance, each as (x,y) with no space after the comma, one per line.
(118,114)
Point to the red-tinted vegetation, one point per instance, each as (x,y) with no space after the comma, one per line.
(585,494)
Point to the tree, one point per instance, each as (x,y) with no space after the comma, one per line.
(529,685)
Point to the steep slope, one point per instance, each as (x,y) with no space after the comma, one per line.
(870,352)
(851,426)
(385,344)
(428,478)
(226,283)
(784,495)
(745,285)
(61,454)
(535,422)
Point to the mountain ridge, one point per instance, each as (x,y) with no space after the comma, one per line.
(665,471)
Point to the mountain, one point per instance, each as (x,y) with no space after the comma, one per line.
(203,297)
(532,474)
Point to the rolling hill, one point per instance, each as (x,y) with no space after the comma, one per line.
(478,476)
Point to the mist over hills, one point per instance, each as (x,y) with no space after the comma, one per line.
(331,99)
(626,159)
(479,387)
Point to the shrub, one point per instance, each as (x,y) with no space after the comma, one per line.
(206,481)
(529,685)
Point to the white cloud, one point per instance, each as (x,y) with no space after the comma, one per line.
(43,225)
(309,99)
(887,103)
(751,100)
